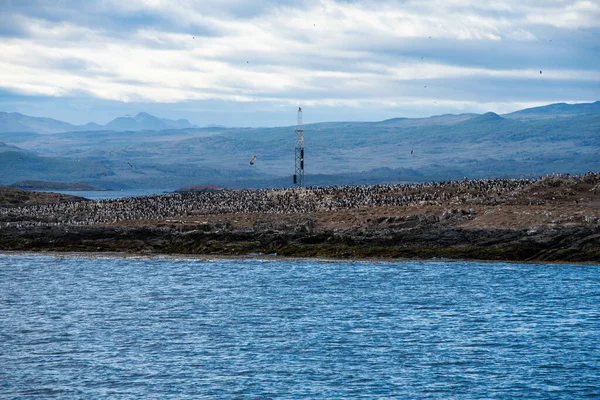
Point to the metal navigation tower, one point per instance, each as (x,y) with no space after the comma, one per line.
(299,152)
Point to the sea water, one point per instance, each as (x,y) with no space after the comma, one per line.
(111,194)
(162,328)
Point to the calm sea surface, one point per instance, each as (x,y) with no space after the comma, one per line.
(136,328)
(111,194)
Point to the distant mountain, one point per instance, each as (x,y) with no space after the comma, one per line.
(8,147)
(144,121)
(15,122)
(92,126)
(122,124)
(488,122)
(446,119)
(557,110)
(487,117)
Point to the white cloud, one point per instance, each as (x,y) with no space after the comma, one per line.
(321,53)
(574,15)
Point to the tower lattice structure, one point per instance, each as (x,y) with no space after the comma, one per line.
(299,152)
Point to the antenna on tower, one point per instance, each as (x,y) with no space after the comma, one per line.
(299,152)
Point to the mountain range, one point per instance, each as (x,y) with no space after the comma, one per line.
(531,142)
(15,122)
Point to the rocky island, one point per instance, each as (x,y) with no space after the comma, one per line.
(553,218)
(10,197)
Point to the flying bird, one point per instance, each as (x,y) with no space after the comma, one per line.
(130,164)
(540,72)
(252,160)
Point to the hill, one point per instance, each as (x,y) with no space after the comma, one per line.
(17,166)
(10,197)
(557,110)
(15,122)
(7,147)
(144,121)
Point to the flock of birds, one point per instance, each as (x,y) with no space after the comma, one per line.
(267,201)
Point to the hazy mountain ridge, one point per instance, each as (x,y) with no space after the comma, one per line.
(145,121)
(557,110)
(16,122)
(439,147)
(7,147)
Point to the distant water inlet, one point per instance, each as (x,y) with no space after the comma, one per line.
(120,328)
(112,194)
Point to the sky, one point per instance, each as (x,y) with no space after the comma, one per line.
(252,63)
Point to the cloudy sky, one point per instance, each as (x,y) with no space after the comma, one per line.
(251,63)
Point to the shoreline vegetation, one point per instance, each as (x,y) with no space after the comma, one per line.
(552,219)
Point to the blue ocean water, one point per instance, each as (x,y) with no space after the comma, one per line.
(111,194)
(137,328)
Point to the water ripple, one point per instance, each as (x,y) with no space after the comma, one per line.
(135,328)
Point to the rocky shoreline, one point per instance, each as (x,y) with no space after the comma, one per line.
(577,244)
